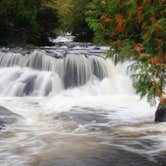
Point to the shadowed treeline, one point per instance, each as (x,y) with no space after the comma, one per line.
(26,22)
(32,22)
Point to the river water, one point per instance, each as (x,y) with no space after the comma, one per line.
(86,115)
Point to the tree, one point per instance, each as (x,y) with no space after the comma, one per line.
(73,18)
(136,31)
(22,22)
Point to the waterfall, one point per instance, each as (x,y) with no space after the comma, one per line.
(51,70)
(9,59)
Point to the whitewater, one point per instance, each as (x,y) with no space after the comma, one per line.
(76,108)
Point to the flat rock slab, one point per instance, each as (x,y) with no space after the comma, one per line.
(7,117)
(106,156)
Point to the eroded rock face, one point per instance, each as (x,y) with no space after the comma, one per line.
(160,115)
(7,117)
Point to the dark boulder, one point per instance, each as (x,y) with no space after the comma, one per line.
(7,117)
(160,115)
(1,124)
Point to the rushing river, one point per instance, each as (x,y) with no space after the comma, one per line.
(75,108)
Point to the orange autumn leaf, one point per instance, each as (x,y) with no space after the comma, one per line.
(153,20)
(147,1)
(145,35)
(163,58)
(120,27)
(158,27)
(106,18)
(139,12)
(161,1)
(138,48)
(152,61)
(119,18)
(143,25)
(119,43)
(156,60)
(159,43)
(140,8)
(102,17)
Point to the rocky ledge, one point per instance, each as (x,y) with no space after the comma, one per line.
(7,117)
(160,115)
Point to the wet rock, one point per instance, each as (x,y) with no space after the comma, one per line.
(7,117)
(101,156)
(58,54)
(160,115)
(22,51)
(29,84)
(1,124)
(82,118)
(4,49)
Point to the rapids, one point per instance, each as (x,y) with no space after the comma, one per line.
(77,109)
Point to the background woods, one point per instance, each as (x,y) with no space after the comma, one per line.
(135,30)
(23,22)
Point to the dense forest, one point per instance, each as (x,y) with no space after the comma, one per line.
(26,22)
(33,22)
(134,29)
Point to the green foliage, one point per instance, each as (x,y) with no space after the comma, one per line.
(73,18)
(23,21)
(136,31)
(65,9)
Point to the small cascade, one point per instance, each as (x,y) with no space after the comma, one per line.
(19,81)
(78,70)
(9,59)
(47,71)
(98,66)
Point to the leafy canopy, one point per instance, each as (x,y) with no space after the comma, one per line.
(136,31)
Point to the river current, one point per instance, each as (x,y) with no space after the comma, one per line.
(76,108)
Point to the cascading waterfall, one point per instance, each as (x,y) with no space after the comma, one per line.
(38,73)
(9,59)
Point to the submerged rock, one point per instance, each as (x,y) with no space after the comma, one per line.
(7,117)
(1,124)
(160,115)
